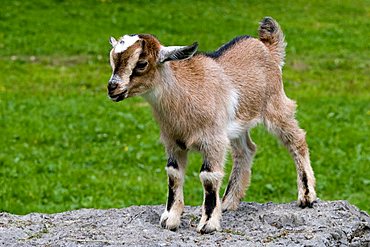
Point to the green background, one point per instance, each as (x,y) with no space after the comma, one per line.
(64,145)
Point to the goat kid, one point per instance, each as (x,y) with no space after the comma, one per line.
(209,102)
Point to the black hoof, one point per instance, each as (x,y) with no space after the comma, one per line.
(307,204)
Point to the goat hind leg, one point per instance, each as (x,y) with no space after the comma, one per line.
(243,150)
(294,140)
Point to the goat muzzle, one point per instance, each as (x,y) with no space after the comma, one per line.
(112,86)
(117,97)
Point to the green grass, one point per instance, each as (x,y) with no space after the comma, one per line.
(64,145)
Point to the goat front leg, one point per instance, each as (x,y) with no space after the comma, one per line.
(176,164)
(211,175)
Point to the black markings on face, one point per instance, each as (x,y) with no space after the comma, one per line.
(172,163)
(120,63)
(210,200)
(171,193)
(206,167)
(181,144)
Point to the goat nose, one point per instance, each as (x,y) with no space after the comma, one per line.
(112,86)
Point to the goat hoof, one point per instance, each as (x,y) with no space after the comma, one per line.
(208,227)
(170,221)
(163,223)
(306,204)
(307,200)
(229,204)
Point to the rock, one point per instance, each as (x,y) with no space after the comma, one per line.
(334,223)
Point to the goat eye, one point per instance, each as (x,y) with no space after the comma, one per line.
(141,65)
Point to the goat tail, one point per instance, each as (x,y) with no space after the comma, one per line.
(272,36)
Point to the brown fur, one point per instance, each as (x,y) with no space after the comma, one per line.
(207,103)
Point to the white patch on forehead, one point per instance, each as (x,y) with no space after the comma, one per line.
(125,42)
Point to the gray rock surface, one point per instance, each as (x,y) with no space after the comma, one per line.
(334,223)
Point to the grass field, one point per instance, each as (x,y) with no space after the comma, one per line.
(64,145)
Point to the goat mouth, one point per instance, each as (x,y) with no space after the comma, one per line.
(118,97)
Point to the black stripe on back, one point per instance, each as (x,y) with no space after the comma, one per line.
(220,51)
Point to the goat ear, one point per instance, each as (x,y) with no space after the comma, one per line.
(112,41)
(170,53)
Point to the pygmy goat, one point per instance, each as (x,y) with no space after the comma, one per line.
(209,102)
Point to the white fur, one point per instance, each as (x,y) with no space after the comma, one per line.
(235,128)
(212,177)
(172,172)
(125,42)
